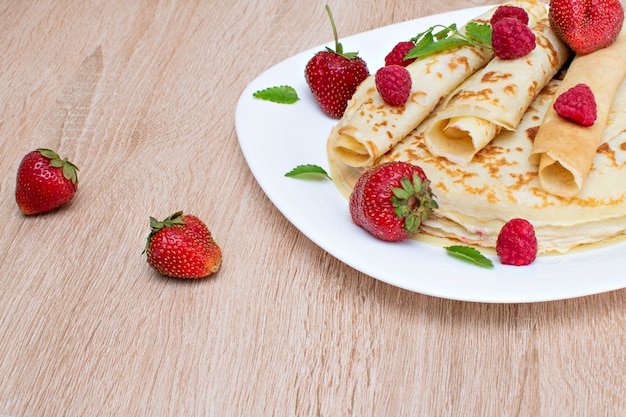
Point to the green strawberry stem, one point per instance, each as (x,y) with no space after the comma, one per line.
(68,168)
(338,46)
(413,202)
(156,225)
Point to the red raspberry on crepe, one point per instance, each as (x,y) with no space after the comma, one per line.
(397,54)
(512,39)
(509,11)
(577,104)
(393,83)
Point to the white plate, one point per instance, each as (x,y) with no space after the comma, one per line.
(275,138)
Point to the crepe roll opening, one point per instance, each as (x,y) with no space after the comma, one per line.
(557,179)
(352,152)
(459,138)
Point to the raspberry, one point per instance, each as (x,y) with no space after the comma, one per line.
(509,11)
(517,243)
(512,39)
(397,54)
(577,104)
(394,84)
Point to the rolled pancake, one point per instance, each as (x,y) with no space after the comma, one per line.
(565,150)
(501,183)
(370,127)
(495,97)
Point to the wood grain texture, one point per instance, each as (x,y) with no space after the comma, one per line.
(141,96)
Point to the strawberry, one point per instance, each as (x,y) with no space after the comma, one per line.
(181,246)
(44,182)
(586,25)
(333,76)
(392,200)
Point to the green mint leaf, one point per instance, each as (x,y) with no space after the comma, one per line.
(479,33)
(446,31)
(469,254)
(283,94)
(308,169)
(434,47)
(448,37)
(424,38)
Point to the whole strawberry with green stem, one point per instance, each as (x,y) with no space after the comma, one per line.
(181,246)
(392,200)
(334,75)
(44,182)
(586,25)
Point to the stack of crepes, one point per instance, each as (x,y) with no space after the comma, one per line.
(502,179)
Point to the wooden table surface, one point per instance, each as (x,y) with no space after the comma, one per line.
(141,96)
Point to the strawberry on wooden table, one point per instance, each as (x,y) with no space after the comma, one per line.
(392,200)
(181,246)
(334,75)
(44,182)
(586,25)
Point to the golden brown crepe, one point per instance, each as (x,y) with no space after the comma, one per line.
(566,150)
(495,97)
(370,127)
(500,183)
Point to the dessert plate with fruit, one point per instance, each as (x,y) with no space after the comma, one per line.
(275,138)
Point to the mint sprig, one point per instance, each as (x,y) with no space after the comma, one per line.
(469,254)
(283,94)
(307,170)
(441,38)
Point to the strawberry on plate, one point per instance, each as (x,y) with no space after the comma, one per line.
(391,200)
(334,75)
(181,246)
(44,182)
(586,25)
